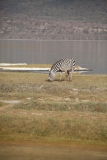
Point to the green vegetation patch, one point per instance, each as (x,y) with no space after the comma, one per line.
(95,129)
(1,104)
(63,106)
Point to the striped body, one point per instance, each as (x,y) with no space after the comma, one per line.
(63,65)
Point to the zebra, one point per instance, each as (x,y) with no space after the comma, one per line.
(66,65)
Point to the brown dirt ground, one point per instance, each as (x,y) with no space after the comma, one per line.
(53,151)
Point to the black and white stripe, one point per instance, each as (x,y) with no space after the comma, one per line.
(66,65)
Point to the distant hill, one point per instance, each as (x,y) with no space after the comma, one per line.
(53,19)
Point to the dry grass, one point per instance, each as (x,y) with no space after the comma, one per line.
(74,110)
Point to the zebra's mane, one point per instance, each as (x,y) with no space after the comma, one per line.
(56,63)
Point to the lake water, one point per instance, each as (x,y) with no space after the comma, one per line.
(90,54)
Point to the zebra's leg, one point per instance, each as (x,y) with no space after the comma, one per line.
(70,75)
(60,76)
(67,75)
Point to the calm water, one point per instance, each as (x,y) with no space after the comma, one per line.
(88,54)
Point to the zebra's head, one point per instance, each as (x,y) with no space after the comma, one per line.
(51,75)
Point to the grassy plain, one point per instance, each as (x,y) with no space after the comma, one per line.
(31,108)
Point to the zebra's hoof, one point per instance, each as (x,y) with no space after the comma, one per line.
(50,80)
